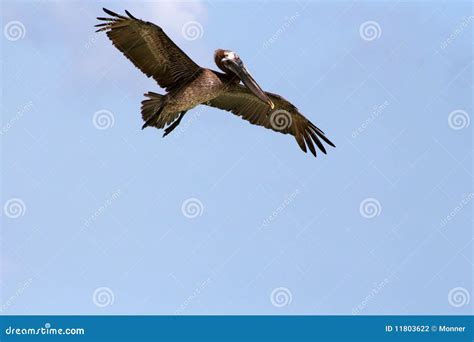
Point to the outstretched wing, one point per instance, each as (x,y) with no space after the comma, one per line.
(284,118)
(150,49)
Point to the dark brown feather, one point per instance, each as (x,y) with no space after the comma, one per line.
(150,50)
(240,101)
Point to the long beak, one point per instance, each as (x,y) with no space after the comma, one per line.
(241,71)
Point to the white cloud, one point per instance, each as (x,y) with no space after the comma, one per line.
(171,16)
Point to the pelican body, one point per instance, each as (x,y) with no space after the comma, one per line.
(189,85)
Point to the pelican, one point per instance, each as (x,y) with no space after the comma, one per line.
(187,84)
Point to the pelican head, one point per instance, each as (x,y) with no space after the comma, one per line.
(229,62)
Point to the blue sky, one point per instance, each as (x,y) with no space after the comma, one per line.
(222,217)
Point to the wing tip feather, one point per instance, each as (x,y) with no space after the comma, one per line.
(130,15)
(113,14)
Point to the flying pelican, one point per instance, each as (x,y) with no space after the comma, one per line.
(187,84)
